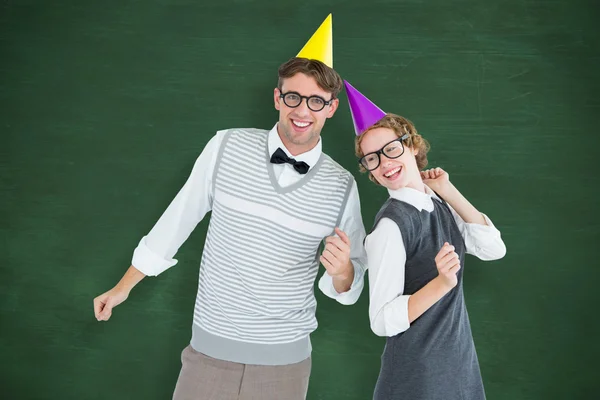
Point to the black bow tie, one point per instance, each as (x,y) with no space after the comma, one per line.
(279,157)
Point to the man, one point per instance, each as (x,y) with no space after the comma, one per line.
(274,198)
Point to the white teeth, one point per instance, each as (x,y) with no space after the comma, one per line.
(301,124)
(392,172)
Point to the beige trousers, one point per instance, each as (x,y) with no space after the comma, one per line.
(206,378)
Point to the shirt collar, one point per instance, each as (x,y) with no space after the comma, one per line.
(310,157)
(419,200)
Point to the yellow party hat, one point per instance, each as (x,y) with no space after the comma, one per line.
(320,45)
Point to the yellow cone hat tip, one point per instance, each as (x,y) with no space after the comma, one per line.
(320,45)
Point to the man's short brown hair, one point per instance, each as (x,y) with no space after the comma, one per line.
(327,78)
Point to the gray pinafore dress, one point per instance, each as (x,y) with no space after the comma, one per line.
(435,359)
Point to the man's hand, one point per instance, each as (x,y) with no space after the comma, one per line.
(336,260)
(104,303)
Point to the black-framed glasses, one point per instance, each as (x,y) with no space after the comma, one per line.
(393,149)
(315,103)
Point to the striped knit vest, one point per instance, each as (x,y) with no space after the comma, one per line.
(256,302)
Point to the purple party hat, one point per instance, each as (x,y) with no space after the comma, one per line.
(364,112)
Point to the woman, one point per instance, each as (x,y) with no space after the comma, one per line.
(416,261)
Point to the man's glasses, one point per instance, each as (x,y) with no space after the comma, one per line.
(393,149)
(315,103)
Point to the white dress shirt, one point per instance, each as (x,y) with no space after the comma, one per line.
(155,252)
(386,255)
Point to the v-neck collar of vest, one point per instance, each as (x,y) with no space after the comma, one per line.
(303,181)
(421,201)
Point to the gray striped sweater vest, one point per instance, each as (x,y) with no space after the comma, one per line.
(255,302)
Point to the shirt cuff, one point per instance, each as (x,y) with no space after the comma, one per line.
(349,297)
(148,262)
(485,230)
(395,316)
(484,241)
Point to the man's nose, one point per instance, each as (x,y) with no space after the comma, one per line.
(302,108)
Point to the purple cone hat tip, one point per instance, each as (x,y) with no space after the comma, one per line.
(364,112)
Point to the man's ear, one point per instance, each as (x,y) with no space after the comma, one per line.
(333,107)
(276,98)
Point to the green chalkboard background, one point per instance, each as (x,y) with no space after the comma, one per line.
(105,105)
